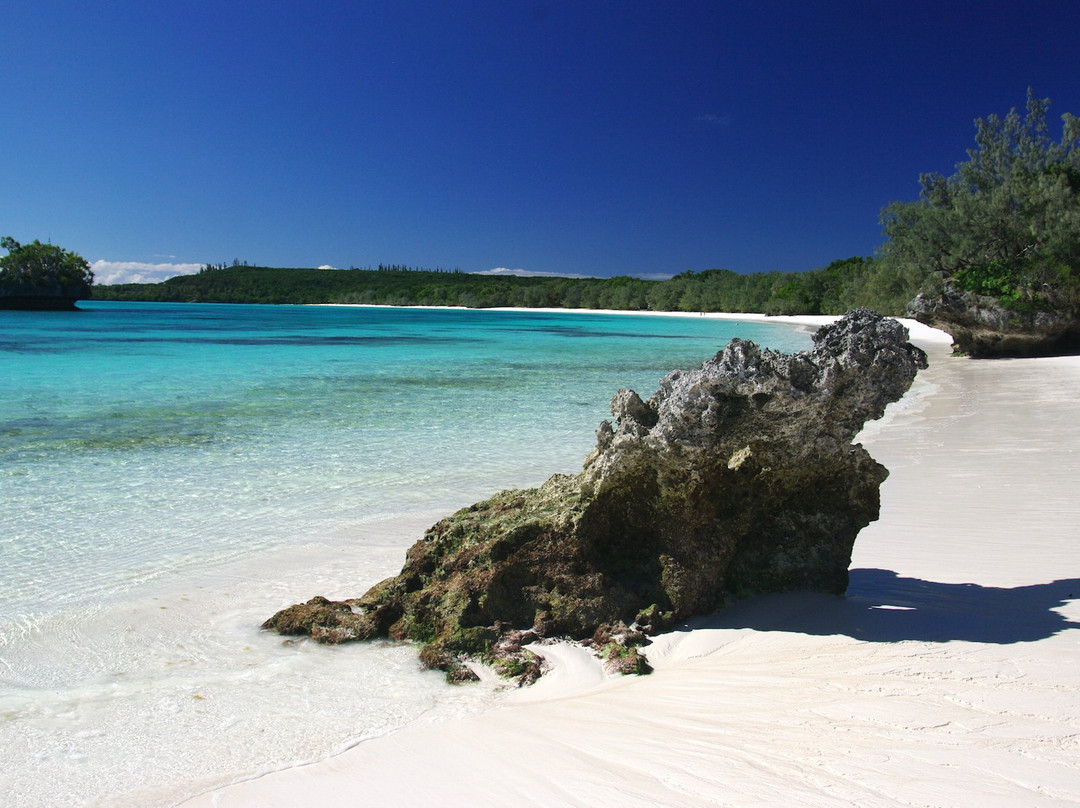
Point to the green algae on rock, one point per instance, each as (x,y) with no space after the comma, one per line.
(737,478)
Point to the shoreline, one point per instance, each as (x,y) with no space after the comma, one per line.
(807,322)
(950,669)
(98,675)
(807,319)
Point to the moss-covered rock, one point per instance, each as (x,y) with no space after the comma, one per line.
(737,478)
(326,621)
(624,660)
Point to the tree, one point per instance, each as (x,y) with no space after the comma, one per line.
(42,276)
(1006,224)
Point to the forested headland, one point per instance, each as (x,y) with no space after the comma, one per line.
(40,276)
(834,289)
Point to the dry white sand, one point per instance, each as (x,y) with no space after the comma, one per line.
(948,675)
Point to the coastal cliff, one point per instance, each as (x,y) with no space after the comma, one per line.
(983,328)
(737,478)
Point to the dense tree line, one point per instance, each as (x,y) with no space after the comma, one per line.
(832,290)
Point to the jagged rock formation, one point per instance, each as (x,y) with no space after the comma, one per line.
(983,328)
(737,478)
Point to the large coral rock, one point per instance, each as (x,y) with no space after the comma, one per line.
(737,478)
(983,328)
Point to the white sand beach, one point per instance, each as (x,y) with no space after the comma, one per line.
(948,675)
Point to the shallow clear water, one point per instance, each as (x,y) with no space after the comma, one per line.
(172,474)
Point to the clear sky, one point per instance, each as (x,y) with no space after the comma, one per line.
(599,138)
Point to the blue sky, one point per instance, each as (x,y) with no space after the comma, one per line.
(598,138)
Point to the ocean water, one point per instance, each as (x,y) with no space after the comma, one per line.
(172,474)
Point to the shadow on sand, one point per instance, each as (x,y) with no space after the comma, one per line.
(880,606)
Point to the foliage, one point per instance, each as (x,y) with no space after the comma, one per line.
(1005,224)
(835,289)
(43,270)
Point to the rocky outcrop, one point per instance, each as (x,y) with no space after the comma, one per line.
(983,328)
(736,478)
(18,302)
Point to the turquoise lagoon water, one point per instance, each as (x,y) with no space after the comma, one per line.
(171,474)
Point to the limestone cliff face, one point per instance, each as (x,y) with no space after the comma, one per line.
(983,329)
(737,478)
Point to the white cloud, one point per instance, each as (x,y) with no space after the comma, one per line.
(106,272)
(525,273)
(327,266)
